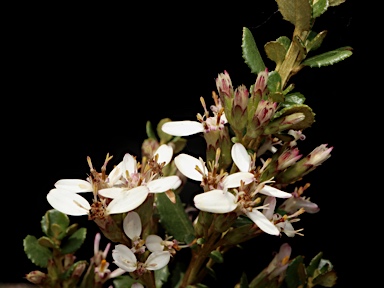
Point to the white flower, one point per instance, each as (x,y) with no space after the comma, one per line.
(125,259)
(74,204)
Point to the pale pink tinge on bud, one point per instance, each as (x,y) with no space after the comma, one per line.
(288,158)
(293,118)
(319,155)
(224,84)
(261,82)
(36,277)
(241,97)
(265,111)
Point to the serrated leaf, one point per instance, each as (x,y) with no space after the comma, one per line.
(298,12)
(38,254)
(314,264)
(296,276)
(319,7)
(74,242)
(328,58)
(251,53)
(55,224)
(174,219)
(314,40)
(164,137)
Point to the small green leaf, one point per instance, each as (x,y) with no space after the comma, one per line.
(38,254)
(161,276)
(275,51)
(293,98)
(298,108)
(174,219)
(328,58)
(326,280)
(335,2)
(124,281)
(251,53)
(319,7)
(274,82)
(244,281)
(55,224)
(74,242)
(314,264)
(46,242)
(164,137)
(314,40)
(296,276)
(149,130)
(180,144)
(216,256)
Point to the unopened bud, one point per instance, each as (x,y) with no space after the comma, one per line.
(36,277)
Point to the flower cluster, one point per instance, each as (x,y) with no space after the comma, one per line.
(250,180)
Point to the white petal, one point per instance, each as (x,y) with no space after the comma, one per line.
(124,258)
(74,185)
(129,164)
(128,200)
(157,260)
(163,184)
(186,165)
(111,192)
(233,180)
(115,174)
(262,222)
(182,128)
(165,153)
(132,225)
(153,243)
(272,191)
(215,201)
(241,157)
(68,203)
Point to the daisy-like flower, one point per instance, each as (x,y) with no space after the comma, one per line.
(243,201)
(125,185)
(125,257)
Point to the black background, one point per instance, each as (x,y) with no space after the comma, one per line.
(83,81)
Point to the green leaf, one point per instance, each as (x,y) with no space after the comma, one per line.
(298,108)
(326,280)
(149,130)
(293,98)
(296,276)
(46,242)
(216,256)
(180,144)
(38,254)
(335,2)
(314,264)
(251,53)
(275,51)
(319,7)
(314,40)
(298,12)
(74,242)
(328,58)
(54,224)
(244,281)
(164,137)
(161,276)
(124,281)
(274,82)
(174,219)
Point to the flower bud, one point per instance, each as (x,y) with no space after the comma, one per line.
(36,277)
